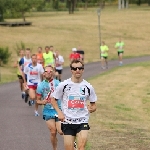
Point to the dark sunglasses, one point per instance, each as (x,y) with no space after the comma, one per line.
(75,68)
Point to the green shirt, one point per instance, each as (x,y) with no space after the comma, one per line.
(119,46)
(48,59)
(104,50)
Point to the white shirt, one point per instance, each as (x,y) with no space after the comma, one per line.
(73,98)
(33,73)
(59,59)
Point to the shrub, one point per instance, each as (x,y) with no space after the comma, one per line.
(4,55)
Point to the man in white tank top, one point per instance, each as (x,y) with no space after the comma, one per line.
(34,73)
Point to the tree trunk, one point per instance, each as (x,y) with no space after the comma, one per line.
(69,6)
(127,4)
(73,3)
(148,2)
(23,16)
(1,16)
(123,4)
(119,4)
(86,5)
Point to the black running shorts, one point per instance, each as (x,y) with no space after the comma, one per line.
(73,129)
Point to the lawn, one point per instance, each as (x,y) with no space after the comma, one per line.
(122,120)
(65,31)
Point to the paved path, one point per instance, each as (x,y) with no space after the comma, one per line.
(19,129)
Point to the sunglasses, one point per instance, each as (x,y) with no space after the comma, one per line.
(75,68)
(48,71)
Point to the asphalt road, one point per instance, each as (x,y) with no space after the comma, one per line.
(20,129)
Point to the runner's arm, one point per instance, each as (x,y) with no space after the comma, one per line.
(92,99)
(16,64)
(24,79)
(39,101)
(56,107)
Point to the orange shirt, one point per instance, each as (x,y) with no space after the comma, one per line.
(40,58)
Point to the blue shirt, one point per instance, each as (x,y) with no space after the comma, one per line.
(43,89)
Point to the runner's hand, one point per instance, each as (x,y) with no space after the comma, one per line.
(61,116)
(91,108)
(25,86)
(44,102)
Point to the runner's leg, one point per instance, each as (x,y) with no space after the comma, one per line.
(32,94)
(102,62)
(53,132)
(106,63)
(69,142)
(82,139)
(120,58)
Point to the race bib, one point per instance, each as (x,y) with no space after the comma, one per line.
(76,102)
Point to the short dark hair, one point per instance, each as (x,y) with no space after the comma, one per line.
(28,49)
(76,61)
(33,55)
(46,47)
(40,47)
(50,46)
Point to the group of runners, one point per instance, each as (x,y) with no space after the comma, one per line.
(104,53)
(65,108)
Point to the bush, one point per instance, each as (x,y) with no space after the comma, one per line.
(20,46)
(4,55)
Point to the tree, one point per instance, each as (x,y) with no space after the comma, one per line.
(19,46)
(148,2)
(4,4)
(24,6)
(123,4)
(71,6)
(4,55)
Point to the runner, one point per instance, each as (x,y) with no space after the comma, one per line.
(74,55)
(40,56)
(22,63)
(44,90)
(48,57)
(81,52)
(59,65)
(34,73)
(120,46)
(51,49)
(19,74)
(73,93)
(104,55)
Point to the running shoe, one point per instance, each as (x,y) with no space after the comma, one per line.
(36,114)
(120,63)
(26,98)
(32,102)
(23,95)
(75,145)
(29,103)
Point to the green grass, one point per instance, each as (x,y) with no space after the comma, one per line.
(123,109)
(65,31)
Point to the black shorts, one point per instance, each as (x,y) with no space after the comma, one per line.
(120,53)
(73,129)
(19,76)
(105,57)
(59,71)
